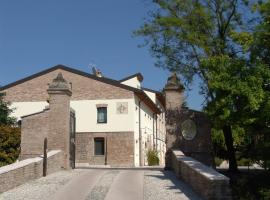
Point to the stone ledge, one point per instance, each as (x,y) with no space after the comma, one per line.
(23,171)
(199,167)
(204,180)
(26,162)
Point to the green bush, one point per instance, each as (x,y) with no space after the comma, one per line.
(244,162)
(218,161)
(152,157)
(9,144)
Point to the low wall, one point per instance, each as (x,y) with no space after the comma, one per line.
(20,172)
(204,180)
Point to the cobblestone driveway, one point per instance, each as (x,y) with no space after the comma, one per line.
(99,184)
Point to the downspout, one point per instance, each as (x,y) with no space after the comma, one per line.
(154,146)
(106,151)
(156,133)
(140,134)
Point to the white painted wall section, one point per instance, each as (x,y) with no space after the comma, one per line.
(151,95)
(86,116)
(27,108)
(133,82)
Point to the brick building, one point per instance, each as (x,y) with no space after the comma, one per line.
(116,121)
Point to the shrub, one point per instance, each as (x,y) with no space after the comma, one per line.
(218,161)
(152,157)
(244,162)
(9,144)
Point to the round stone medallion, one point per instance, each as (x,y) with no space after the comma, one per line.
(189,129)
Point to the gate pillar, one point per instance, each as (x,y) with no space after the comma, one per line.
(186,129)
(59,117)
(174,99)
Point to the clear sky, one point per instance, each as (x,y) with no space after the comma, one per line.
(38,34)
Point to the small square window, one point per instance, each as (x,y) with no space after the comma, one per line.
(99,146)
(102,115)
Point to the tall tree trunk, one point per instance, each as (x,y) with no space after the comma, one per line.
(227,131)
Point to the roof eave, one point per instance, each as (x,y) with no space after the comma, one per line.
(143,97)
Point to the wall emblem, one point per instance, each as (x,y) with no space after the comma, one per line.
(122,107)
(189,129)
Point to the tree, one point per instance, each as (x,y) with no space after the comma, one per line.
(9,134)
(9,144)
(5,112)
(261,45)
(260,53)
(207,39)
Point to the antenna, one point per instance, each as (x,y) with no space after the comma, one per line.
(94,71)
(93,66)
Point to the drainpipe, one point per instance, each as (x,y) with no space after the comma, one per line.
(106,151)
(140,134)
(154,146)
(156,132)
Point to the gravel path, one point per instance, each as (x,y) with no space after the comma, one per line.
(165,185)
(108,184)
(40,189)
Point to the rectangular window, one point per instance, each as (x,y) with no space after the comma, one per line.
(102,115)
(99,146)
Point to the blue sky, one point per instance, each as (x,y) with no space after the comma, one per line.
(36,34)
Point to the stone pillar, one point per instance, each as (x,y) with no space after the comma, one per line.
(59,117)
(174,96)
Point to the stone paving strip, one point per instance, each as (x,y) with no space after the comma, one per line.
(79,187)
(127,185)
(102,187)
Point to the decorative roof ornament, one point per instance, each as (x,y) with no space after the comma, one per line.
(174,82)
(59,83)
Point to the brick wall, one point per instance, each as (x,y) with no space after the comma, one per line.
(34,129)
(19,173)
(82,88)
(204,180)
(120,149)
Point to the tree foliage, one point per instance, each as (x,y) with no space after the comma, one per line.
(213,40)
(5,112)
(9,134)
(9,144)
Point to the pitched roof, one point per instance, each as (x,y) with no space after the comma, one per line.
(160,95)
(138,75)
(140,93)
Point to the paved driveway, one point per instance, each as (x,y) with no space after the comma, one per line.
(100,184)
